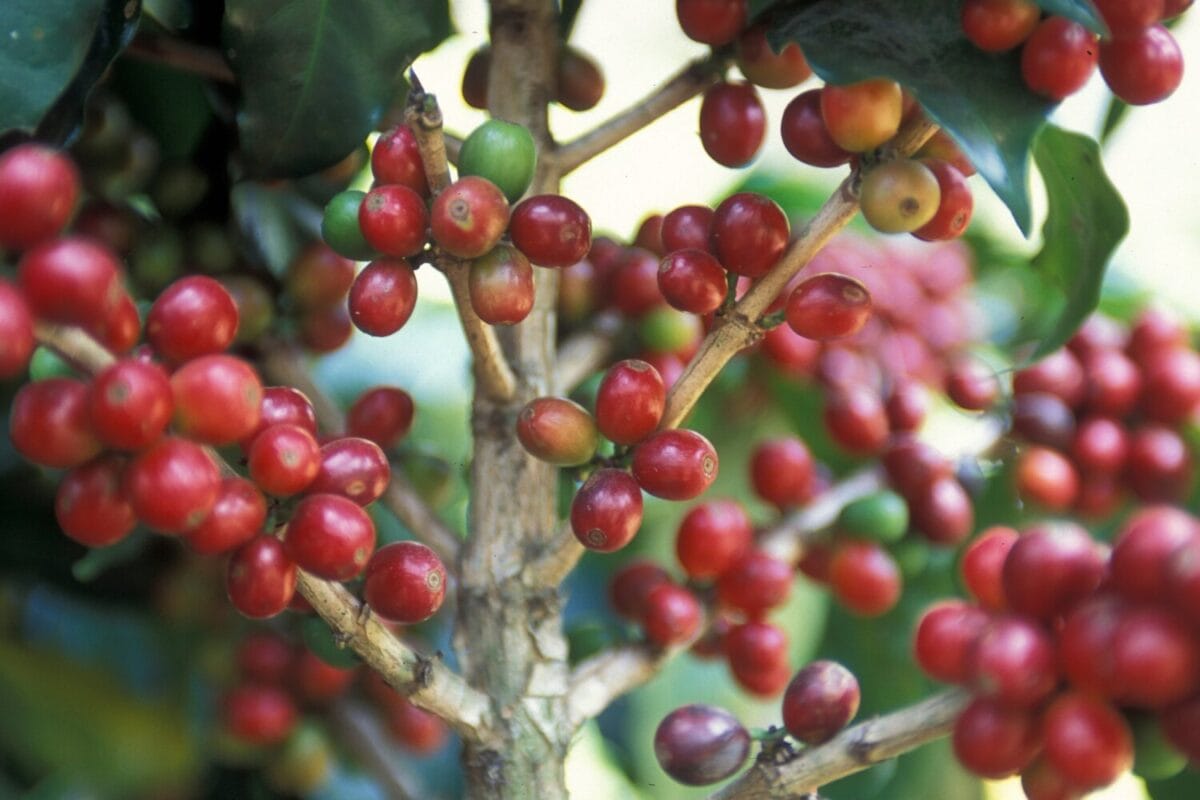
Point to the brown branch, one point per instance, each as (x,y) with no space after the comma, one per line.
(553,566)
(358,728)
(178,54)
(686,84)
(604,677)
(492,370)
(585,352)
(852,750)
(286,366)
(738,328)
(426,681)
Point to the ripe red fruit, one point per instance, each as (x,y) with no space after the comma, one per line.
(130,404)
(396,158)
(862,116)
(194,316)
(912,464)
(631,584)
(994,740)
(945,636)
(316,682)
(956,207)
(856,419)
(999,25)
(580,83)
(712,537)
(264,657)
(1087,740)
(692,280)
(405,582)
(789,351)
(354,468)
(1144,550)
(630,401)
(1043,418)
(90,505)
(415,729)
(907,405)
(284,459)
(1059,57)
(558,431)
(469,217)
(755,583)
(782,472)
(828,305)
(1085,643)
(48,423)
(762,66)
(501,286)
(756,646)
(72,280)
(121,330)
(1101,444)
(236,517)
(711,22)
(632,286)
(218,399)
(672,615)
(1159,465)
(16,331)
(649,235)
(329,536)
(606,512)
(39,187)
(383,296)
(698,744)
(864,578)
(1155,658)
(1050,568)
(819,701)
(733,123)
(749,233)
(318,277)
(258,714)
(383,414)
(804,133)
(260,579)
(1183,580)
(1125,16)
(1142,66)
(1047,478)
(1013,660)
(283,405)
(1059,373)
(393,220)
(1181,726)
(173,485)
(1114,382)
(686,227)
(551,230)
(675,464)
(1171,385)
(982,566)
(326,330)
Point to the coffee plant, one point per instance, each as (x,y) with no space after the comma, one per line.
(242,560)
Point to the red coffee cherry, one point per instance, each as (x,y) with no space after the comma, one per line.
(782,472)
(941,146)
(1123,16)
(283,405)
(1101,444)
(675,464)
(258,714)
(631,584)
(911,465)
(326,330)
(1144,551)
(393,220)
(864,578)
(1114,382)
(72,280)
(756,647)
(790,352)
(856,420)
(632,285)
(396,158)
(316,682)
(1159,465)
(862,116)
(733,123)
(91,506)
(1043,418)
(820,701)
(1142,66)
(194,316)
(649,235)
(1059,57)
(607,510)
(501,286)
(16,331)
(1085,643)
(264,657)
(1047,478)
(907,405)
(558,431)
(1181,727)
(994,740)
(469,217)
(1013,660)
(354,468)
(828,306)
(712,537)
(692,280)
(1183,581)
(749,233)
(686,227)
(580,83)
(698,744)
(1155,658)
(1059,374)
(946,634)
(672,615)
(383,414)
(284,459)
(755,583)
(1087,740)
(982,566)
(260,579)
(318,277)
(551,230)
(999,25)
(763,67)
(712,22)
(405,582)
(39,187)
(956,207)
(475,78)
(329,535)
(173,485)
(1171,385)
(1050,568)
(383,296)
(218,399)
(130,404)
(236,518)
(630,401)
(48,423)
(804,134)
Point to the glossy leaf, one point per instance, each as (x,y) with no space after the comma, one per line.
(317,76)
(1082,11)
(978,98)
(1184,786)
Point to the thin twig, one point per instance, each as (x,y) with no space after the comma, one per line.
(426,681)
(604,677)
(738,328)
(585,352)
(196,59)
(852,750)
(286,366)
(360,730)
(686,84)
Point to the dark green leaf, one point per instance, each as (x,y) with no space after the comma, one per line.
(978,98)
(1081,11)
(1184,786)
(1086,220)
(97,560)
(567,14)
(171,14)
(1113,116)
(318,75)
(172,105)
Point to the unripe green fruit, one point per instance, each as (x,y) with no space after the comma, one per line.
(502,152)
(668,330)
(882,516)
(900,196)
(339,226)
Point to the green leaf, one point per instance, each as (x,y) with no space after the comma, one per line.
(54,53)
(1085,222)
(1184,786)
(1114,115)
(318,75)
(978,98)
(1081,11)
(171,14)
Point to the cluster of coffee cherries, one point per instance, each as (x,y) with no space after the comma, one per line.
(397,220)
(1083,660)
(135,439)
(1140,60)
(700,744)
(579,82)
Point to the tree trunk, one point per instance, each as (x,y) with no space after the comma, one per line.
(509,634)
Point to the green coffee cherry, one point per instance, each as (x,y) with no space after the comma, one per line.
(503,153)
(882,516)
(339,226)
